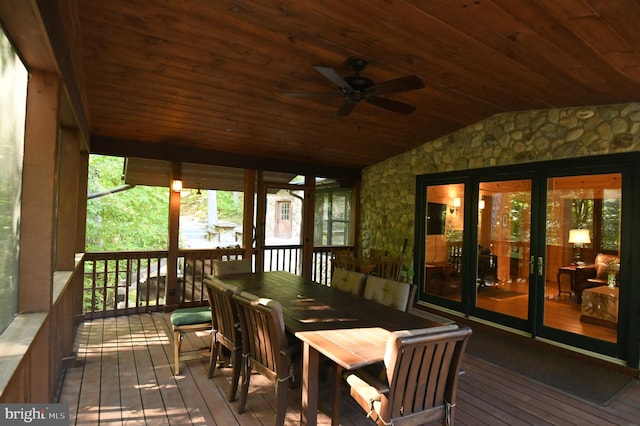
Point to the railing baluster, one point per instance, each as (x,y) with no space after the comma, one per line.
(105,275)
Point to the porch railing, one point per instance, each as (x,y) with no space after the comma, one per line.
(131,282)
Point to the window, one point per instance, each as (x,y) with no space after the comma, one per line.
(210,219)
(285,207)
(121,217)
(333,217)
(13,98)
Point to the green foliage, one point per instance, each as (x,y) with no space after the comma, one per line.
(230,206)
(135,219)
(193,204)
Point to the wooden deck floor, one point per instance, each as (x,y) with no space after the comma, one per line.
(124,375)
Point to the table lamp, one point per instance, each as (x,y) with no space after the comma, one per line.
(579,237)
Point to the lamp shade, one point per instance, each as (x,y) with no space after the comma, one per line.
(579,236)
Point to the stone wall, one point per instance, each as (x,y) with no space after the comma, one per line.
(388,188)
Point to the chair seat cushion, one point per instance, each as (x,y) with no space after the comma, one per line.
(367,392)
(348,281)
(388,292)
(189,316)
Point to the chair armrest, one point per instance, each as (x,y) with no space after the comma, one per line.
(586,269)
(373,375)
(291,348)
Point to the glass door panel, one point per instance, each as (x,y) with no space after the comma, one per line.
(443,240)
(504,233)
(583,254)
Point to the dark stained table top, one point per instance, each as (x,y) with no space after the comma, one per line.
(307,305)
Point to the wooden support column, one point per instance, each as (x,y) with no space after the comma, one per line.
(308,211)
(247,212)
(38,193)
(261,222)
(81,229)
(171,288)
(67,199)
(81,215)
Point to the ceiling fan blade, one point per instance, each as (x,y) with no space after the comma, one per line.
(346,109)
(331,74)
(391,105)
(402,84)
(319,95)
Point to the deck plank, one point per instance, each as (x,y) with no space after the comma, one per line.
(131,400)
(153,406)
(124,375)
(89,397)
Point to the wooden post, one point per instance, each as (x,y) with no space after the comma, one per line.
(38,193)
(81,231)
(68,173)
(307,228)
(247,213)
(171,292)
(261,221)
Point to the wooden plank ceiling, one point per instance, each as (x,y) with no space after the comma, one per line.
(204,81)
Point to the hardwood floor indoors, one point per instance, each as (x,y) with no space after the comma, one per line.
(562,312)
(123,375)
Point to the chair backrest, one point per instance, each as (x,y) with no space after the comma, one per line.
(389,267)
(389,292)
(349,281)
(377,253)
(422,373)
(346,261)
(263,335)
(225,314)
(229,267)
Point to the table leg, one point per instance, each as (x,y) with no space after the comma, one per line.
(309,409)
(337,394)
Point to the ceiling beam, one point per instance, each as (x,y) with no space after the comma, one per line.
(62,50)
(174,151)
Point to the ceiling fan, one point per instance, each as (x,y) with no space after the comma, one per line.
(357,88)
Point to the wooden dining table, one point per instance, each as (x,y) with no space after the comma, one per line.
(347,329)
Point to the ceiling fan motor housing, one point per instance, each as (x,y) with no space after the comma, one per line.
(359,83)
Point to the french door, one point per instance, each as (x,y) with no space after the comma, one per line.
(537,251)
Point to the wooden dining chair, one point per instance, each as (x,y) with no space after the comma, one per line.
(188,320)
(230,267)
(377,253)
(418,380)
(389,267)
(392,293)
(346,261)
(265,348)
(226,330)
(349,281)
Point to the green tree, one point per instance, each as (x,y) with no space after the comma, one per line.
(230,206)
(135,219)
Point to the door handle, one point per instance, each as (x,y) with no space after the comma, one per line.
(540,266)
(532,265)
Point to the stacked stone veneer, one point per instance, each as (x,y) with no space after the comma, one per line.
(388,188)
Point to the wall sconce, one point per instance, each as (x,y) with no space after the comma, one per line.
(579,237)
(454,207)
(176,185)
(481,205)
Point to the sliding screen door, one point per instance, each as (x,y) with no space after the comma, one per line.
(583,219)
(443,241)
(504,234)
